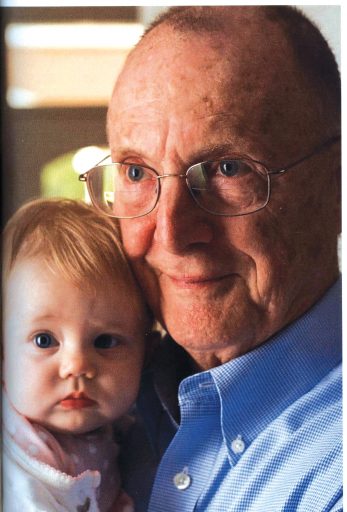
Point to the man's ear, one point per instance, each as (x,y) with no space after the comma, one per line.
(338,178)
(336,182)
(152,340)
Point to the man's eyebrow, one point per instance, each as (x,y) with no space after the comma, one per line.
(210,152)
(214,151)
(124,151)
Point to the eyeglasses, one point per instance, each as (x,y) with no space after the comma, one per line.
(232,186)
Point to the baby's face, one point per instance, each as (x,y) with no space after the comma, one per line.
(73,358)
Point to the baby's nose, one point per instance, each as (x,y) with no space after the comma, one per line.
(77,364)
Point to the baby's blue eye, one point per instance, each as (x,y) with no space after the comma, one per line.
(44,340)
(106,341)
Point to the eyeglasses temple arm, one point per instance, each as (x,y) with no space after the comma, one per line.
(318,149)
(83,177)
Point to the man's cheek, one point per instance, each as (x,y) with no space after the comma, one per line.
(137,236)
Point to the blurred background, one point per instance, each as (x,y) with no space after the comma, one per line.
(59,67)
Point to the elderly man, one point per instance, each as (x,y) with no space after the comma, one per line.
(225,123)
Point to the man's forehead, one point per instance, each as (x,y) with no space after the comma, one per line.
(249,84)
(195,137)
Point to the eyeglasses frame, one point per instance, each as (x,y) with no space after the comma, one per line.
(279,171)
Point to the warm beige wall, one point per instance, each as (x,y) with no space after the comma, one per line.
(60,77)
(65,64)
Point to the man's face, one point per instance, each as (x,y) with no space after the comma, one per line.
(221,285)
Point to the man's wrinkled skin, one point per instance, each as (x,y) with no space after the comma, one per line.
(221,286)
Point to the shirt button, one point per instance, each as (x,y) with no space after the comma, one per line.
(182,480)
(238,446)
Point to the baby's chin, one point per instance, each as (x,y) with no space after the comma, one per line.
(73,431)
(74,426)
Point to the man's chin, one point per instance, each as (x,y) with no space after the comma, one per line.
(199,342)
(231,327)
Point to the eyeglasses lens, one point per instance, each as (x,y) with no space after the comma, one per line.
(230,186)
(123,190)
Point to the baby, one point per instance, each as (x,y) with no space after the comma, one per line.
(74,344)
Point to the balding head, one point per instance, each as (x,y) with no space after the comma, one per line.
(275,60)
(280,25)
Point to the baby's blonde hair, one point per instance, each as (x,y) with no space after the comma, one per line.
(75,240)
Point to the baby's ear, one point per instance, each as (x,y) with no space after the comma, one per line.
(152,340)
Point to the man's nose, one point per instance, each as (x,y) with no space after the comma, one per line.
(77,363)
(180,222)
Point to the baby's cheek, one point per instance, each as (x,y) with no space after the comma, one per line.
(125,392)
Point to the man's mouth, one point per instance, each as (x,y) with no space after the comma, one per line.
(77,400)
(197,281)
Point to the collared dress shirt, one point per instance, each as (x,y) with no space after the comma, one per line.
(261,433)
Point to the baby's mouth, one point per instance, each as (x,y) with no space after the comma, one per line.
(77,400)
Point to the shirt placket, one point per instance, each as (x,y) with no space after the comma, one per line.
(187,465)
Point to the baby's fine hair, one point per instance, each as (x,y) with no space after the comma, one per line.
(74,240)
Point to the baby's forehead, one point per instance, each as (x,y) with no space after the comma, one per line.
(117,296)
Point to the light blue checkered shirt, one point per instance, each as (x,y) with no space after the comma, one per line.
(263,432)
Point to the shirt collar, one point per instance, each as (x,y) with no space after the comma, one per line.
(257,386)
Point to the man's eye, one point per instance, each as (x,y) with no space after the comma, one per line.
(106,341)
(135,173)
(45,340)
(229,168)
